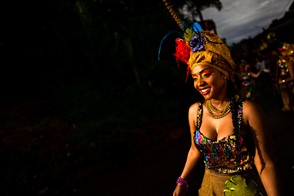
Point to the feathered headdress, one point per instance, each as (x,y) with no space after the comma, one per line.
(197,46)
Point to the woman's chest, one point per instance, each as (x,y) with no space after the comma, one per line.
(216,129)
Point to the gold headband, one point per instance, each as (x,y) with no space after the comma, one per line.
(288,50)
(216,54)
(199,46)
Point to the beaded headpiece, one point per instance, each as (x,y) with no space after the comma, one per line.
(197,46)
(202,47)
(287,51)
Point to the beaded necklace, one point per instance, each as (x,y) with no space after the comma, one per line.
(216,113)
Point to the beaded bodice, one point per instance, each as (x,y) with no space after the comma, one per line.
(229,154)
(246,79)
(283,71)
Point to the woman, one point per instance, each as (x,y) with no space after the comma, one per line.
(228,133)
(247,78)
(285,76)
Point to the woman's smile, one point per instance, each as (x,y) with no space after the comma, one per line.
(204,91)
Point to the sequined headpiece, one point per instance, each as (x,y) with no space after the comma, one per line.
(287,51)
(201,47)
(197,46)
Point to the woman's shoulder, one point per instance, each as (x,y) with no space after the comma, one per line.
(193,109)
(250,105)
(195,106)
(251,109)
(192,115)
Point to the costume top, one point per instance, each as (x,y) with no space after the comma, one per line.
(229,154)
(246,79)
(283,71)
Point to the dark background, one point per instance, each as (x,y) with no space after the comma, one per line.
(86,108)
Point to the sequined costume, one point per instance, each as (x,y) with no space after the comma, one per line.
(248,85)
(227,157)
(285,76)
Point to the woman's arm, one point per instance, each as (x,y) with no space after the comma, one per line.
(255,75)
(263,159)
(193,156)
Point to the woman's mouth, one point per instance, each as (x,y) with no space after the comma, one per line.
(204,91)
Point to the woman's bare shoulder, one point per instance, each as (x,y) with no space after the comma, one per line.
(193,108)
(192,116)
(250,106)
(252,110)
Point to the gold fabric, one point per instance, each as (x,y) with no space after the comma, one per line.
(214,183)
(216,53)
(288,49)
(288,52)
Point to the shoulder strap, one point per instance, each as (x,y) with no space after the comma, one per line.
(199,115)
(237,113)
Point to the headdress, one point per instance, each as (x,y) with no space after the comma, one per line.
(287,51)
(197,46)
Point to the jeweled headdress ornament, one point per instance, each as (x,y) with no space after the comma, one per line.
(196,46)
(287,51)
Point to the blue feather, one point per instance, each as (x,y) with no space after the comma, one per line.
(196,27)
(178,32)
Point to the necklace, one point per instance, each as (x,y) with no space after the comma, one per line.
(216,113)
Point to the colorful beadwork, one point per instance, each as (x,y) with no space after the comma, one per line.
(224,155)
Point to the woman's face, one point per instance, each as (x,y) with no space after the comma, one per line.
(209,82)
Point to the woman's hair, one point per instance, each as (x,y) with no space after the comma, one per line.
(233,86)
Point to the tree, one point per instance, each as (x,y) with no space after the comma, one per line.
(190,9)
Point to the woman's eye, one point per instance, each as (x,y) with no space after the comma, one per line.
(195,79)
(206,74)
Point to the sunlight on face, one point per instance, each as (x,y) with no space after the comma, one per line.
(208,81)
(203,71)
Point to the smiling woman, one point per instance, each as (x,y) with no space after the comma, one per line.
(228,133)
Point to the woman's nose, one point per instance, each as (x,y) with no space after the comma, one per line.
(199,82)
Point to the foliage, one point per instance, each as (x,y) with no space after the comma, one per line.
(94,62)
(193,8)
